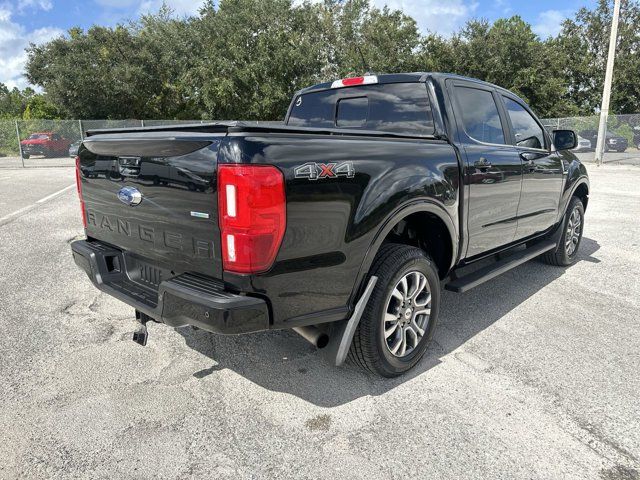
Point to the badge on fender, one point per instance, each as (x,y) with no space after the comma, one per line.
(317,171)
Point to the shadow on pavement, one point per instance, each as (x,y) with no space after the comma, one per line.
(282,361)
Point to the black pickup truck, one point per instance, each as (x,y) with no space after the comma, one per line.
(340,224)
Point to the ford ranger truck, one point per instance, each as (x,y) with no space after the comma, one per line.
(340,224)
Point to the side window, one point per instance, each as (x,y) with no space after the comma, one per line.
(352,112)
(480,116)
(56,136)
(527,131)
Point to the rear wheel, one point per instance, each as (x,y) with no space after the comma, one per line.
(399,319)
(571,236)
(26,156)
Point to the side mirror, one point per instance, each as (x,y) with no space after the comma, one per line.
(565,139)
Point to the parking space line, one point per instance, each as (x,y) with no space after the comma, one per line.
(13,215)
(55,194)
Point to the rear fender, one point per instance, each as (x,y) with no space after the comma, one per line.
(403,212)
(576,177)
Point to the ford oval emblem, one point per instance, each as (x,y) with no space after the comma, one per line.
(130,196)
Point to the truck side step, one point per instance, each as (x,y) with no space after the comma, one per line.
(462,284)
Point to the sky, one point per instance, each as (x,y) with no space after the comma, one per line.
(38,21)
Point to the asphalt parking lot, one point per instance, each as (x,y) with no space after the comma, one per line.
(534,375)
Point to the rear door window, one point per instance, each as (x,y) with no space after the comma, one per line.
(401,108)
(480,116)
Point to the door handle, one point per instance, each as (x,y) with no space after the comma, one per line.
(529,156)
(482,163)
(529,159)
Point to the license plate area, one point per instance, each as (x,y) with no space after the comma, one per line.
(146,274)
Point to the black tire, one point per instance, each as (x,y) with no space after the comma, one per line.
(26,156)
(370,349)
(563,255)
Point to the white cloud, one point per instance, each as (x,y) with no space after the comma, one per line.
(45,5)
(549,23)
(14,38)
(179,7)
(437,16)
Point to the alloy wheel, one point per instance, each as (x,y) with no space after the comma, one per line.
(574,231)
(407,314)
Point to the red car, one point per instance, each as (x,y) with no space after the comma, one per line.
(48,144)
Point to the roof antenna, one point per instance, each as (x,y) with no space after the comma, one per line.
(364,62)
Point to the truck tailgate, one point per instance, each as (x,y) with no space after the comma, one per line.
(154,195)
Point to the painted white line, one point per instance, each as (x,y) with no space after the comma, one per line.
(17,212)
(49,197)
(29,207)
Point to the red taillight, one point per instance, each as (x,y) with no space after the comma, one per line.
(252,215)
(79,185)
(350,82)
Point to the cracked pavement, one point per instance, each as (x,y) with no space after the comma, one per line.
(533,375)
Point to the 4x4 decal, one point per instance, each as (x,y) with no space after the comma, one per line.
(316,171)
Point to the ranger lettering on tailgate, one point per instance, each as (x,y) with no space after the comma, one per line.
(198,247)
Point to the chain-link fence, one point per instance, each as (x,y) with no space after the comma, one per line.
(31,143)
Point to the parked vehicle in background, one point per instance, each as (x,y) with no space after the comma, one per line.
(73,148)
(616,143)
(636,136)
(340,224)
(584,145)
(48,144)
(613,142)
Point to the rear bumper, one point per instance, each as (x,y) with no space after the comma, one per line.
(187,299)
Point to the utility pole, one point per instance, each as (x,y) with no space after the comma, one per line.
(606,94)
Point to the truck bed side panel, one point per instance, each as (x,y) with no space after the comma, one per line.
(332,222)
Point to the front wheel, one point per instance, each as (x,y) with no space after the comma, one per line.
(399,319)
(567,251)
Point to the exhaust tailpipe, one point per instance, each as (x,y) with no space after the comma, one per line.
(313,335)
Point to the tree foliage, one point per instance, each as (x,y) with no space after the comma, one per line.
(243,59)
(583,45)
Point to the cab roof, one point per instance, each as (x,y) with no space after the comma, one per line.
(402,78)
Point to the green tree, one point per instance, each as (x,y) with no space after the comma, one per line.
(13,102)
(243,59)
(123,72)
(254,55)
(583,46)
(507,53)
(39,107)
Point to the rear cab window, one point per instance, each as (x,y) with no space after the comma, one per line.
(401,108)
